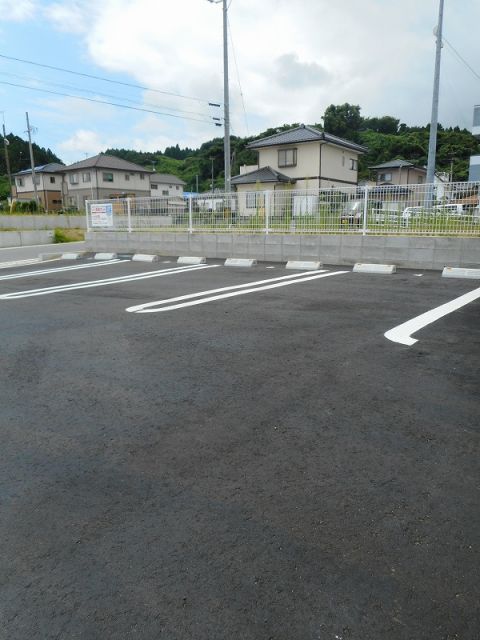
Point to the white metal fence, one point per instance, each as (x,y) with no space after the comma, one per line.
(445,209)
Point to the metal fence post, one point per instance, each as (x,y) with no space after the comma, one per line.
(267,211)
(365,211)
(129,216)
(190,215)
(87,213)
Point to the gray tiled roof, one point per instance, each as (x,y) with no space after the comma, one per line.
(102,161)
(165,178)
(394,164)
(304,134)
(51,167)
(265,174)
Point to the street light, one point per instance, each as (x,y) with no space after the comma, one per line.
(226,99)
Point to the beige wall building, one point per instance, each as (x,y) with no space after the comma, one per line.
(48,180)
(399,172)
(166,184)
(104,177)
(307,157)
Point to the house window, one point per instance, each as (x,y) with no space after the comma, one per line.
(52,180)
(56,202)
(154,186)
(108,177)
(420,179)
(142,176)
(353,164)
(385,177)
(86,177)
(165,192)
(19,182)
(127,177)
(73,178)
(177,187)
(287,157)
(251,200)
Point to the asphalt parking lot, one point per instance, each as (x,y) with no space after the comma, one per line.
(258,462)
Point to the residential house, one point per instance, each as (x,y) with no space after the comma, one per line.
(474,172)
(299,159)
(399,172)
(104,177)
(48,180)
(302,158)
(166,184)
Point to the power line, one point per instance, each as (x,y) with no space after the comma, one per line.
(113,104)
(462,59)
(98,93)
(88,75)
(238,74)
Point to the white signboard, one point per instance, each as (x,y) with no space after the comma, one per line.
(101,215)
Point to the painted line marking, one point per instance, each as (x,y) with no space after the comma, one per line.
(40,272)
(189,296)
(102,283)
(286,280)
(20,263)
(402,334)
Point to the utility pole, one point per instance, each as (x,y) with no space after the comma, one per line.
(196,182)
(226,97)
(212,159)
(7,160)
(432,146)
(32,163)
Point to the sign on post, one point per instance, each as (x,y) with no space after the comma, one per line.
(101,215)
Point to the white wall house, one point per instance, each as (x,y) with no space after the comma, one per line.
(166,184)
(48,180)
(303,158)
(104,177)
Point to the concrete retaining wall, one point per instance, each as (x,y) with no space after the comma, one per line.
(25,238)
(45,221)
(404,251)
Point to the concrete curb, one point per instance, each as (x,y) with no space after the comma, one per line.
(240,262)
(382,269)
(303,265)
(105,256)
(456,272)
(74,256)
(144,257)
(191,260)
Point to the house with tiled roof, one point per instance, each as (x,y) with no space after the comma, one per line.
(302,158)
(104,177)
(398,172)
(48,181)
(166,184)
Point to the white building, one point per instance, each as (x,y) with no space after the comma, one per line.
(166,184)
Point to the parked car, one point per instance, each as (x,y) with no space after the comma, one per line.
(352,213)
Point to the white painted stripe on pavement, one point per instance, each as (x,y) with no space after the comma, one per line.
(233,294)
(19,263)
(41,272)
(202,294)
(103,283)
(402,334)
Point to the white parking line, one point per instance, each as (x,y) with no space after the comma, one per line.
(41,272)
(103,283)
(23,263)
(402,334)
(191,302)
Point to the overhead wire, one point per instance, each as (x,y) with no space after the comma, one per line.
(103,79)
(461,58)
(238,74)
(113,104)
(98,93)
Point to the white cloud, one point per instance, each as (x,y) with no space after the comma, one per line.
(294,59)
(83,141)
(18,10)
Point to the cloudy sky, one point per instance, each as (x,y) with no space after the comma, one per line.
(291,60)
